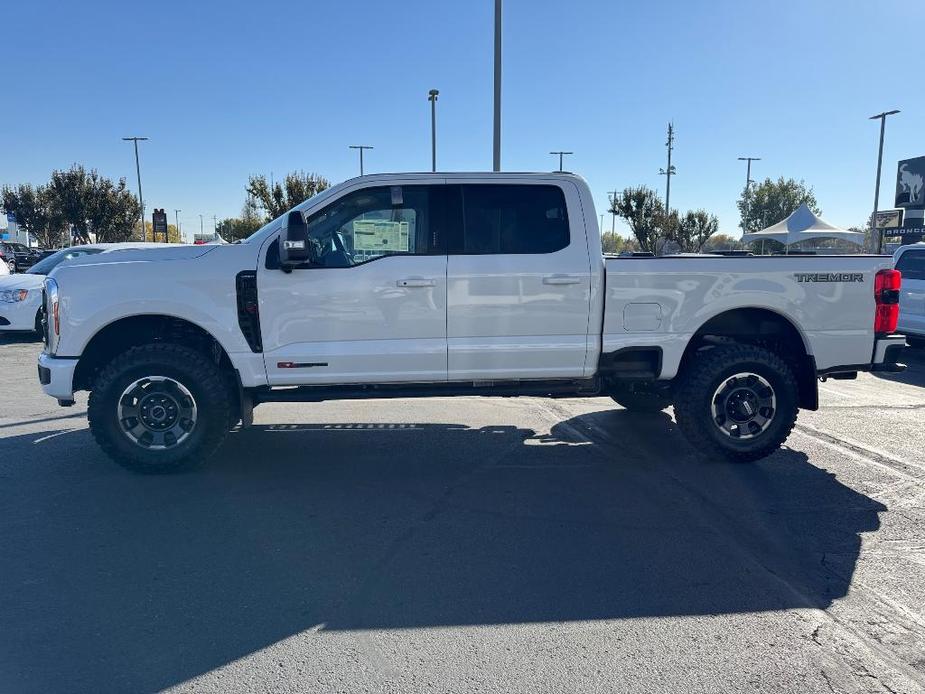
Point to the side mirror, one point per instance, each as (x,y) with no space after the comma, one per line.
(295,246)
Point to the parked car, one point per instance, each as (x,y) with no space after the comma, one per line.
(412,285)
(18,256)
(910,261)
(21,294)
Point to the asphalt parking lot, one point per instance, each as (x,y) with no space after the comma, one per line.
(467,544)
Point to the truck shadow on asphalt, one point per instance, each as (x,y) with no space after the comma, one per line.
(115,581)
(914,375)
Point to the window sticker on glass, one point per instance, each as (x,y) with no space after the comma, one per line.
(380,235)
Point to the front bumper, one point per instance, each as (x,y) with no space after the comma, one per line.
(20,315)
(56,374)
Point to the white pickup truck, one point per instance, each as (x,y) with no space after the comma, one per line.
(409,285)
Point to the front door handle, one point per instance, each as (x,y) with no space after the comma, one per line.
(562,279)
(416,282)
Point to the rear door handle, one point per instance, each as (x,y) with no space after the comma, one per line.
(416,282)
(562,279)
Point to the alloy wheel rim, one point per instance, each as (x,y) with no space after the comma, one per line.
(743,406)
(156,412)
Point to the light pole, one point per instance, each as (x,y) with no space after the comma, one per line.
(561,154)
(141,200)
(361,148)
(670,171)
(432,98)
(873,221)
(613,211)
(496,149)
(201,234)
(176,219)
(748,184)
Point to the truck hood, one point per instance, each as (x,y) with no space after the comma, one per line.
(147,254)
(22,281)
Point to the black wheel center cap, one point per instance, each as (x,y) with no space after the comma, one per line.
(742,405)
(158,411)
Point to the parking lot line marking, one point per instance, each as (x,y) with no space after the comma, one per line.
(51,436)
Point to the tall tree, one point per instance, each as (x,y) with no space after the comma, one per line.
(771,201)
(235,228)
(279,198)
(694,229)
(90,203)
(645,214)
(30,205)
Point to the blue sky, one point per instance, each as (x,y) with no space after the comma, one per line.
(228,89)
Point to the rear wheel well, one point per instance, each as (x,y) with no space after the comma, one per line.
(125,333)
(763,328)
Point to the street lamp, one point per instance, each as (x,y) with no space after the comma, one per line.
(432,98)
(496,149)
(361,148)
(748,183)
(141,201)
(873,222)
(561,154)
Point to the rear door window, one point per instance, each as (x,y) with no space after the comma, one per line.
(912,265)
(512,219)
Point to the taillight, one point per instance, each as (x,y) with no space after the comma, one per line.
(886,295)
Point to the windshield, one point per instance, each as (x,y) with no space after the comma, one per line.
(43,267)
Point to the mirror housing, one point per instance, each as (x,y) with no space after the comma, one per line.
(295,246)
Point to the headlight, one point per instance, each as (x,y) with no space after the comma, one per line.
(12,296)
(52,316)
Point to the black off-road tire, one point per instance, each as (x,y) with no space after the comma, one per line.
(639,397)
(705,373)
(196,372)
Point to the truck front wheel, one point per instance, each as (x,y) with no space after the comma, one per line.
(736,401)
(159,408)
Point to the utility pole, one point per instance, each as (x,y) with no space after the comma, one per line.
(361,148)
(875,232)
(748,187)
(613,210)
(561,154)
(432,98)
(201,234)
(141,200)
(670,171)
(176,219)
(496,148)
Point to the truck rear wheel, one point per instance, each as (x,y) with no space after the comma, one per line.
(159,408)
(639,397)
(737,401)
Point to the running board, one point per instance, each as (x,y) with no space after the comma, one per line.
(548,389)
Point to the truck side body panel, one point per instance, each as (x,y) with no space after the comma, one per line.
(663,302)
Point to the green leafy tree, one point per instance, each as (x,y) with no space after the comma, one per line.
(90,203)
(694,229)
(30,205)
(279,198)
(645,214)
(771,201)
(235,228)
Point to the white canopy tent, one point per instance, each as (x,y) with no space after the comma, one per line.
(803,225)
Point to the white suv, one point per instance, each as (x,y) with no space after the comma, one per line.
(910,261)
